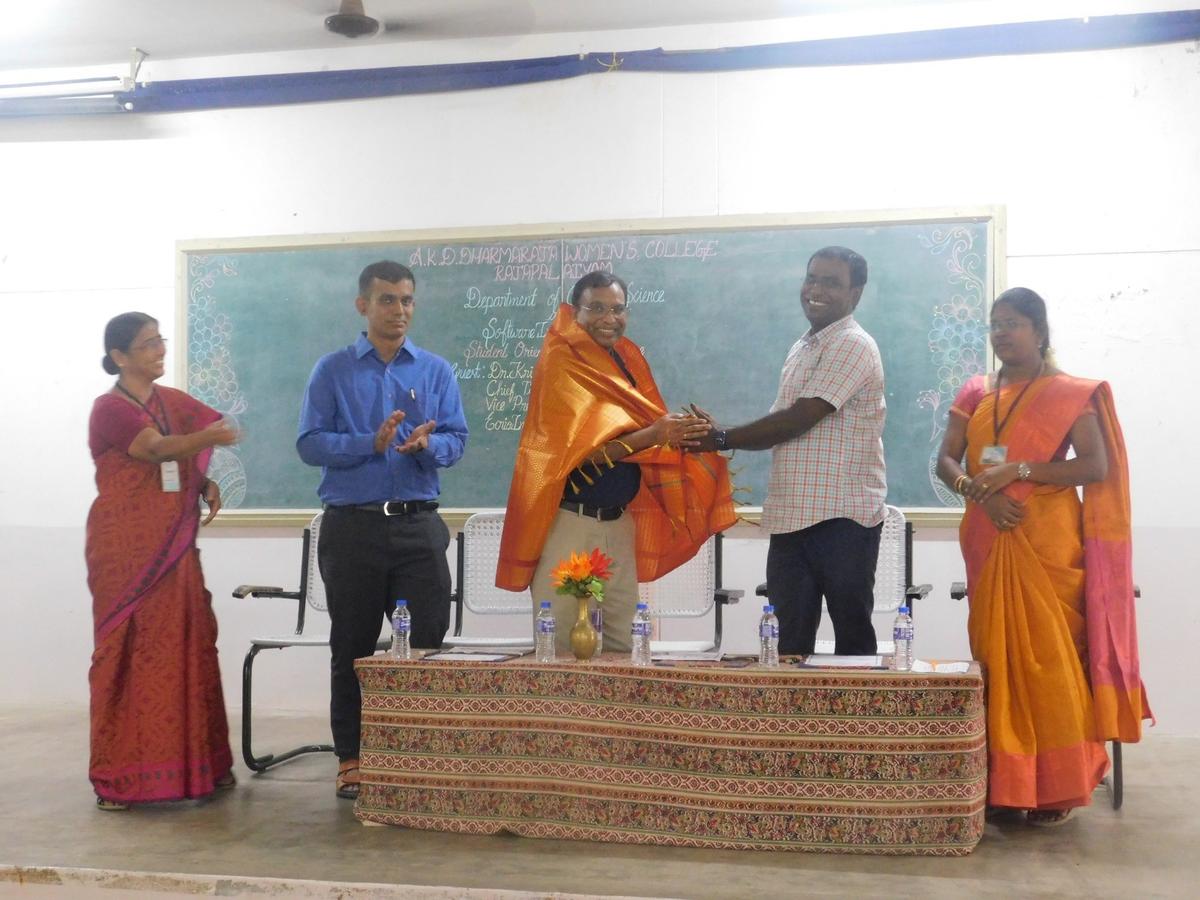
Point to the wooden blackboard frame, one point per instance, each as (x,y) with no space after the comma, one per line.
(991,217)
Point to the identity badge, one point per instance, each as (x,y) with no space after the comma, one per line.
(993,455)
(170,476)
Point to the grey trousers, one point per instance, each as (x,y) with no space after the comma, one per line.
(571,532)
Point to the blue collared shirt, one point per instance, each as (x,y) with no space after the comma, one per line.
(350,393)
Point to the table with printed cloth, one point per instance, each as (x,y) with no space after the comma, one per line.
(831,760)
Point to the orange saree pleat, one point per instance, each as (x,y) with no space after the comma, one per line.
(1027,627)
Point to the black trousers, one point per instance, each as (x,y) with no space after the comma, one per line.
(369,561)
(835,559)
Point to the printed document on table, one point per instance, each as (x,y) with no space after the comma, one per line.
(946,668)
(490,655)
(687,656)
(833,661)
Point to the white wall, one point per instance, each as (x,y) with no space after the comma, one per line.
(1095,155)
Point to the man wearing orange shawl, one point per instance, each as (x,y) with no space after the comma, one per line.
(600,464)
(1049,578)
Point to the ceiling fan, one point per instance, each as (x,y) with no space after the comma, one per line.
(352,21)
(428,19)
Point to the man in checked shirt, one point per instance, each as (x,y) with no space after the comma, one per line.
(825,499)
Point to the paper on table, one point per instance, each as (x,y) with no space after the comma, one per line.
(833,661)
(948,668)
(955,668)
(687,655)
(466,656)
(513,649)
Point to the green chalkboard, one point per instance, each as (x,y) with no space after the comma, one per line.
(714,302)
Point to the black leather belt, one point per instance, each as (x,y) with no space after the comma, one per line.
(393,507)
(600,513)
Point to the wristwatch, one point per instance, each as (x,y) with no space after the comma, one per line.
(1023,471)
(721,439)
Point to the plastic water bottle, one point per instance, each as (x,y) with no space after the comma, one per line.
(902,636)
(401,631)
(544,627)
(640,636)
(768,638)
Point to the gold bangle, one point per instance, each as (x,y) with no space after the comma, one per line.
(958,483)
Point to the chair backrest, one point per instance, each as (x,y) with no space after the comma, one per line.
(314,585)
(892,572)
(686,592)
(481,552)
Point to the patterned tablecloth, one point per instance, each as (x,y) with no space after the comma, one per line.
(842,761)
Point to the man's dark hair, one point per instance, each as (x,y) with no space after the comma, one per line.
(384,270)
(858,265)
(596,280)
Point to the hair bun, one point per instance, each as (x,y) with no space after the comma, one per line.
(106,362)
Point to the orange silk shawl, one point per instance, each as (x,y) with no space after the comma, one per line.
(579,400)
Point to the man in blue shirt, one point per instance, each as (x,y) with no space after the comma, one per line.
(380,417)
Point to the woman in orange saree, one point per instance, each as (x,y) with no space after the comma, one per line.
(158,726)
(1049,577)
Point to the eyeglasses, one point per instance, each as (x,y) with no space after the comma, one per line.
(154,343)
(600,310)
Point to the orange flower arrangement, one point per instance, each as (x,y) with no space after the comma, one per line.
(582,575)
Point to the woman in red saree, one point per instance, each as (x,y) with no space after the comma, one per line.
(1049,577)
(158,716)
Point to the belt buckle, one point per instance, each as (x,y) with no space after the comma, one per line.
(387,508)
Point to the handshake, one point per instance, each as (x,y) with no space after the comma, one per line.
(692,430)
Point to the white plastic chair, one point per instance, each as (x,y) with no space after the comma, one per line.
(475,585)
(692,590)
(310,594)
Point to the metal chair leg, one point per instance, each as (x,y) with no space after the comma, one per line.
(262,763)
(1116,777)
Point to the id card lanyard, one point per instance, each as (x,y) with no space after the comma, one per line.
(169,470)
(997,453)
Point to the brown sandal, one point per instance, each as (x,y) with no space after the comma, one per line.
(1048,818)
(347,783)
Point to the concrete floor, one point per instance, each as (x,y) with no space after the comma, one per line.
(287,824)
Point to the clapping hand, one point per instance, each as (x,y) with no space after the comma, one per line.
(387,431)
(221,433)
(418,440)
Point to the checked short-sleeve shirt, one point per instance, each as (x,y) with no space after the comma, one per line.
(835,470)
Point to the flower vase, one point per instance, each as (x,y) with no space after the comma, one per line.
(583,635)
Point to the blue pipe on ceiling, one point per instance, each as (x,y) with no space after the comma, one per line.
(1064,35)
